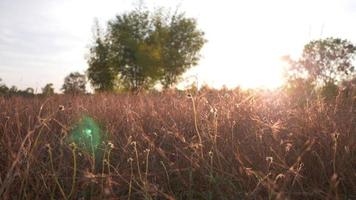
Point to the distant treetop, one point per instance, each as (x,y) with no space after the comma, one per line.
(74,83)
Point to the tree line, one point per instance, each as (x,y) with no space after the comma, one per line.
(74,84)
(142,49)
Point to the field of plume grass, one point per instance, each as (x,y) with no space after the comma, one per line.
(210,145)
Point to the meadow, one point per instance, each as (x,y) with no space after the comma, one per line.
(226,144)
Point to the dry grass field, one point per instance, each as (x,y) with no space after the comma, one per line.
(210,145)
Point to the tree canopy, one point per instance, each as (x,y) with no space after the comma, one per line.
(325,61)
(48,89)
(3,88)
(13,90)
(143,48)
(100,71)
(74,83)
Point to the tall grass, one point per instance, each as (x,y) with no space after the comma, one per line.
(212,145)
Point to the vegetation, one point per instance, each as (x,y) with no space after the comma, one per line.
(324,64)
(325,61)
(100,72)
(141,49)
(5,91)
(214,145)
(48,90)
(298,142)
(74,84)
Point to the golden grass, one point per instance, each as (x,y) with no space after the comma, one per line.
(212,145)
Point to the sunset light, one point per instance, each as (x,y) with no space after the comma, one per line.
(177,99)
(245,38)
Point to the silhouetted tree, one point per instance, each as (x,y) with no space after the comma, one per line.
(3,88)
(143,48)
(323,65)
(74,83)
(5,91)
(328,91)
(300,90)
(13,90)
(30,90)
(325,61)
(48,90)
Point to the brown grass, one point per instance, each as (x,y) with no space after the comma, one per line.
(213,145)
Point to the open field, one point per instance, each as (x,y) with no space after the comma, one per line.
(212,145)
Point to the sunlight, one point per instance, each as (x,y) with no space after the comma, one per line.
(177,99)
(265,79)
(264,72)
(247,53)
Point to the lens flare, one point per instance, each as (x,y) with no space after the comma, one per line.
(86,135)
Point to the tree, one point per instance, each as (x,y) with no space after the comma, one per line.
(5,91)
(3,88)
(181,43)
(300,90)
(30,91)
(100,72)
(141,49)
(74,83)
(325,61)
(48,89)
(13,90)
(134,49)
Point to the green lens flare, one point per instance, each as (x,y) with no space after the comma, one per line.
(86,135)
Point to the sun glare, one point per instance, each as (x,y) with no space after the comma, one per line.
(263,71)
(263,74)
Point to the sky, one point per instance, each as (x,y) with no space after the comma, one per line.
(42,41)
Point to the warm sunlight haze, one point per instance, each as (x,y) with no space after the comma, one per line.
(45,40)
(177,99)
